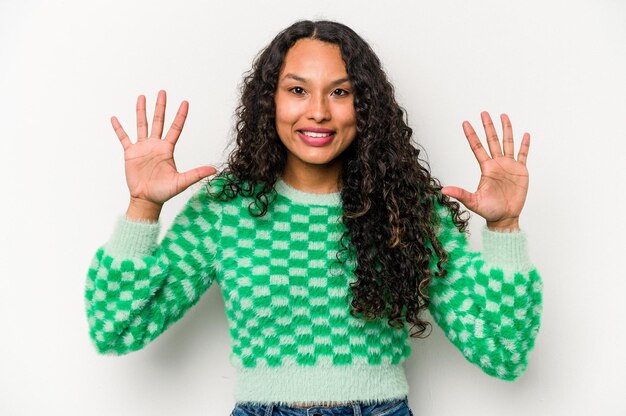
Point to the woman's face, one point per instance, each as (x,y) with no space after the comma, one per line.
(315,117)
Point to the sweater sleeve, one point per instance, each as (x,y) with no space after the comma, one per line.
(489,304)
(135,288)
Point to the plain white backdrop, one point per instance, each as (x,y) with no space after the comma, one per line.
(558,69)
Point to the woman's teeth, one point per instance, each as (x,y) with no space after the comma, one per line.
(313,134)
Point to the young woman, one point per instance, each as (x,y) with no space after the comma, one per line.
(327,236)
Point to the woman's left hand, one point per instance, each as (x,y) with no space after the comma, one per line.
(503,181)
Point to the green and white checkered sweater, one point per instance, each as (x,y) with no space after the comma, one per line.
(287,300)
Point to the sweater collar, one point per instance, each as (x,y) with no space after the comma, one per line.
(307,198)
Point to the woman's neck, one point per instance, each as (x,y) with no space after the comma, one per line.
(316,179)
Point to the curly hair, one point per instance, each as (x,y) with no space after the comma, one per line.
(388,195)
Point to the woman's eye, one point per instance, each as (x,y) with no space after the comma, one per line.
(340,92)
(297,90)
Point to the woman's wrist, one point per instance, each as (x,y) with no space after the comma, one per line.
(505,225)
(143,210)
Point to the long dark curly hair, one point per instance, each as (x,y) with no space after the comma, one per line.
(387,191)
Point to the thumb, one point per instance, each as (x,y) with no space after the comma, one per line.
(195,175)
(466,198)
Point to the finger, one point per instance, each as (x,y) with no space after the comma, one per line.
(523,150)
(474,142)
(179,122)
(492,137)
(121,134)
(142,121)
(507,136)
(186,179)
(466,198)
(159,116)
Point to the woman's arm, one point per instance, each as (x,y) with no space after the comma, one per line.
(136,288)
(488,304)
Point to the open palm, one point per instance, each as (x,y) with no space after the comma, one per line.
(151,173)
(503,182)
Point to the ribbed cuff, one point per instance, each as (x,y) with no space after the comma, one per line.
(131,239)
(506,249)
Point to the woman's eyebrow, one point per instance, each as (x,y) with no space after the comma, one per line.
(294,77)
(303,80)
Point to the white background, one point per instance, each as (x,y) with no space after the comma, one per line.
(558,69)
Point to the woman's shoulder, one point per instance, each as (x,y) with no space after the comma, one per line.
(225,188)
(208,190)
(227,182)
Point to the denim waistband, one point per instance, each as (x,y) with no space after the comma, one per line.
(355,408)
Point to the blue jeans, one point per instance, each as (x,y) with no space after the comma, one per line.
(395,407)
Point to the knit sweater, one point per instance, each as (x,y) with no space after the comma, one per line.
(287,299)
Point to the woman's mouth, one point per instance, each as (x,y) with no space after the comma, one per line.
(320,137)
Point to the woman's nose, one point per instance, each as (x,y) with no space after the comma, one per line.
(318,109)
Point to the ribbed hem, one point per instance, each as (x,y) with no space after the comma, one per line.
(307,198)
(284,386)
(506,250)
(131,239)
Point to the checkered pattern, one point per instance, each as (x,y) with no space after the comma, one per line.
(490,312)
(135,292)
(287,298)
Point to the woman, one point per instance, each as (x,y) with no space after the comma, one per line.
(323,209)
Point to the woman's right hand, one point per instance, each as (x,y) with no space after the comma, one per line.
(151,173)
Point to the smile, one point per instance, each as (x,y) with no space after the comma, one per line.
(314,134)
(312,138)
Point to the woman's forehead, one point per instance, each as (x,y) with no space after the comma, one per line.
(312,58)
